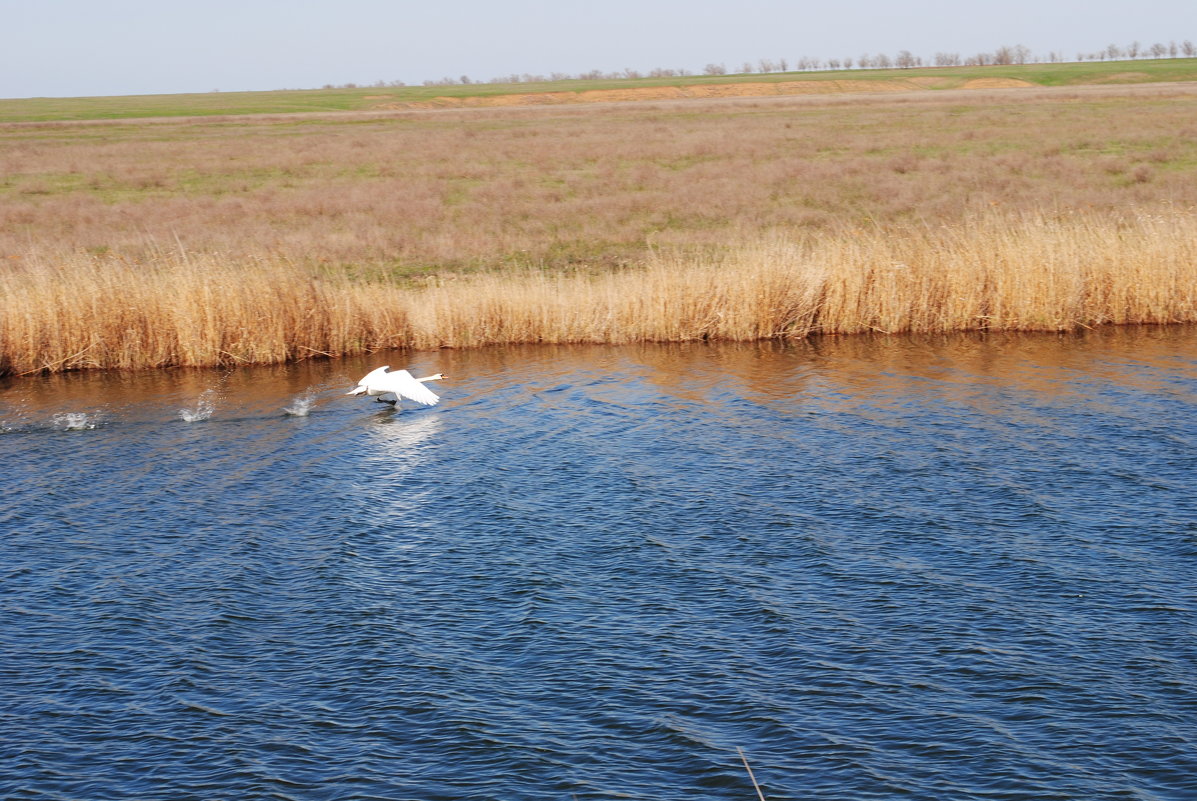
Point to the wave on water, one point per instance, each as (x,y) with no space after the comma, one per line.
(205,406)
(302,404)
(75,421)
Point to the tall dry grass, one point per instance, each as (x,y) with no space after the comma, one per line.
(993,272)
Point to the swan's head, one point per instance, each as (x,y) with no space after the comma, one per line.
(358,390)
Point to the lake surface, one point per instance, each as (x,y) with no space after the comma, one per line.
(935,568)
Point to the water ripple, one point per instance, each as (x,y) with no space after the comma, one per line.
(958,567)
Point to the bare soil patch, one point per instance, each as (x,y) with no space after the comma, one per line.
(996,83)
(748,89)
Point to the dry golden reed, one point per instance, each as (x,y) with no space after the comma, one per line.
(995,272)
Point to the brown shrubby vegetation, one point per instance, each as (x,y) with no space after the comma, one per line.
(261,239)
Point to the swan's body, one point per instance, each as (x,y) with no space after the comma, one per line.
(399,383)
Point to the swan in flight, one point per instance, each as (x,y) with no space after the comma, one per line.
(399,383)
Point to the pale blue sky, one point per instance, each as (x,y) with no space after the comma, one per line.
(109,47)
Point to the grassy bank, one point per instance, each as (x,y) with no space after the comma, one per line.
(369,98)
(993,273)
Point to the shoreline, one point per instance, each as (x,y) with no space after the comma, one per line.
(996,273)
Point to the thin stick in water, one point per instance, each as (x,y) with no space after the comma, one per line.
(748,768)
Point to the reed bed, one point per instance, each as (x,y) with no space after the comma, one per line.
(991,272)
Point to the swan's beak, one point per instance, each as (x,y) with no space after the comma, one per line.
(356,391)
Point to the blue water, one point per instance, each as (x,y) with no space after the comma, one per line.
(931,568)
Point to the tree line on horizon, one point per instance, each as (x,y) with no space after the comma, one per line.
(904,59)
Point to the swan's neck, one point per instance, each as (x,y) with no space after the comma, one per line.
(436,377)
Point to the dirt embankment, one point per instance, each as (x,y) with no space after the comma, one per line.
(747,89)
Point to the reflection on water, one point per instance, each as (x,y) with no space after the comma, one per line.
(940,567)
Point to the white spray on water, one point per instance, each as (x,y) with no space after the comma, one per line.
(204,407)
(75,421)
(302,404)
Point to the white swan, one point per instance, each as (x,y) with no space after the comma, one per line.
(400,383)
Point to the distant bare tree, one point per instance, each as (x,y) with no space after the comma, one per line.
(1005,55)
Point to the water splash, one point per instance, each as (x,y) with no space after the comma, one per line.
(75,421)
(14,417)
(204,408)
(302,404)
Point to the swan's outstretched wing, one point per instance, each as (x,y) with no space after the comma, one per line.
(368,381)
(375,374)
(404,385)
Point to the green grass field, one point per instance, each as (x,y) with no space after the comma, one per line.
(41,109)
